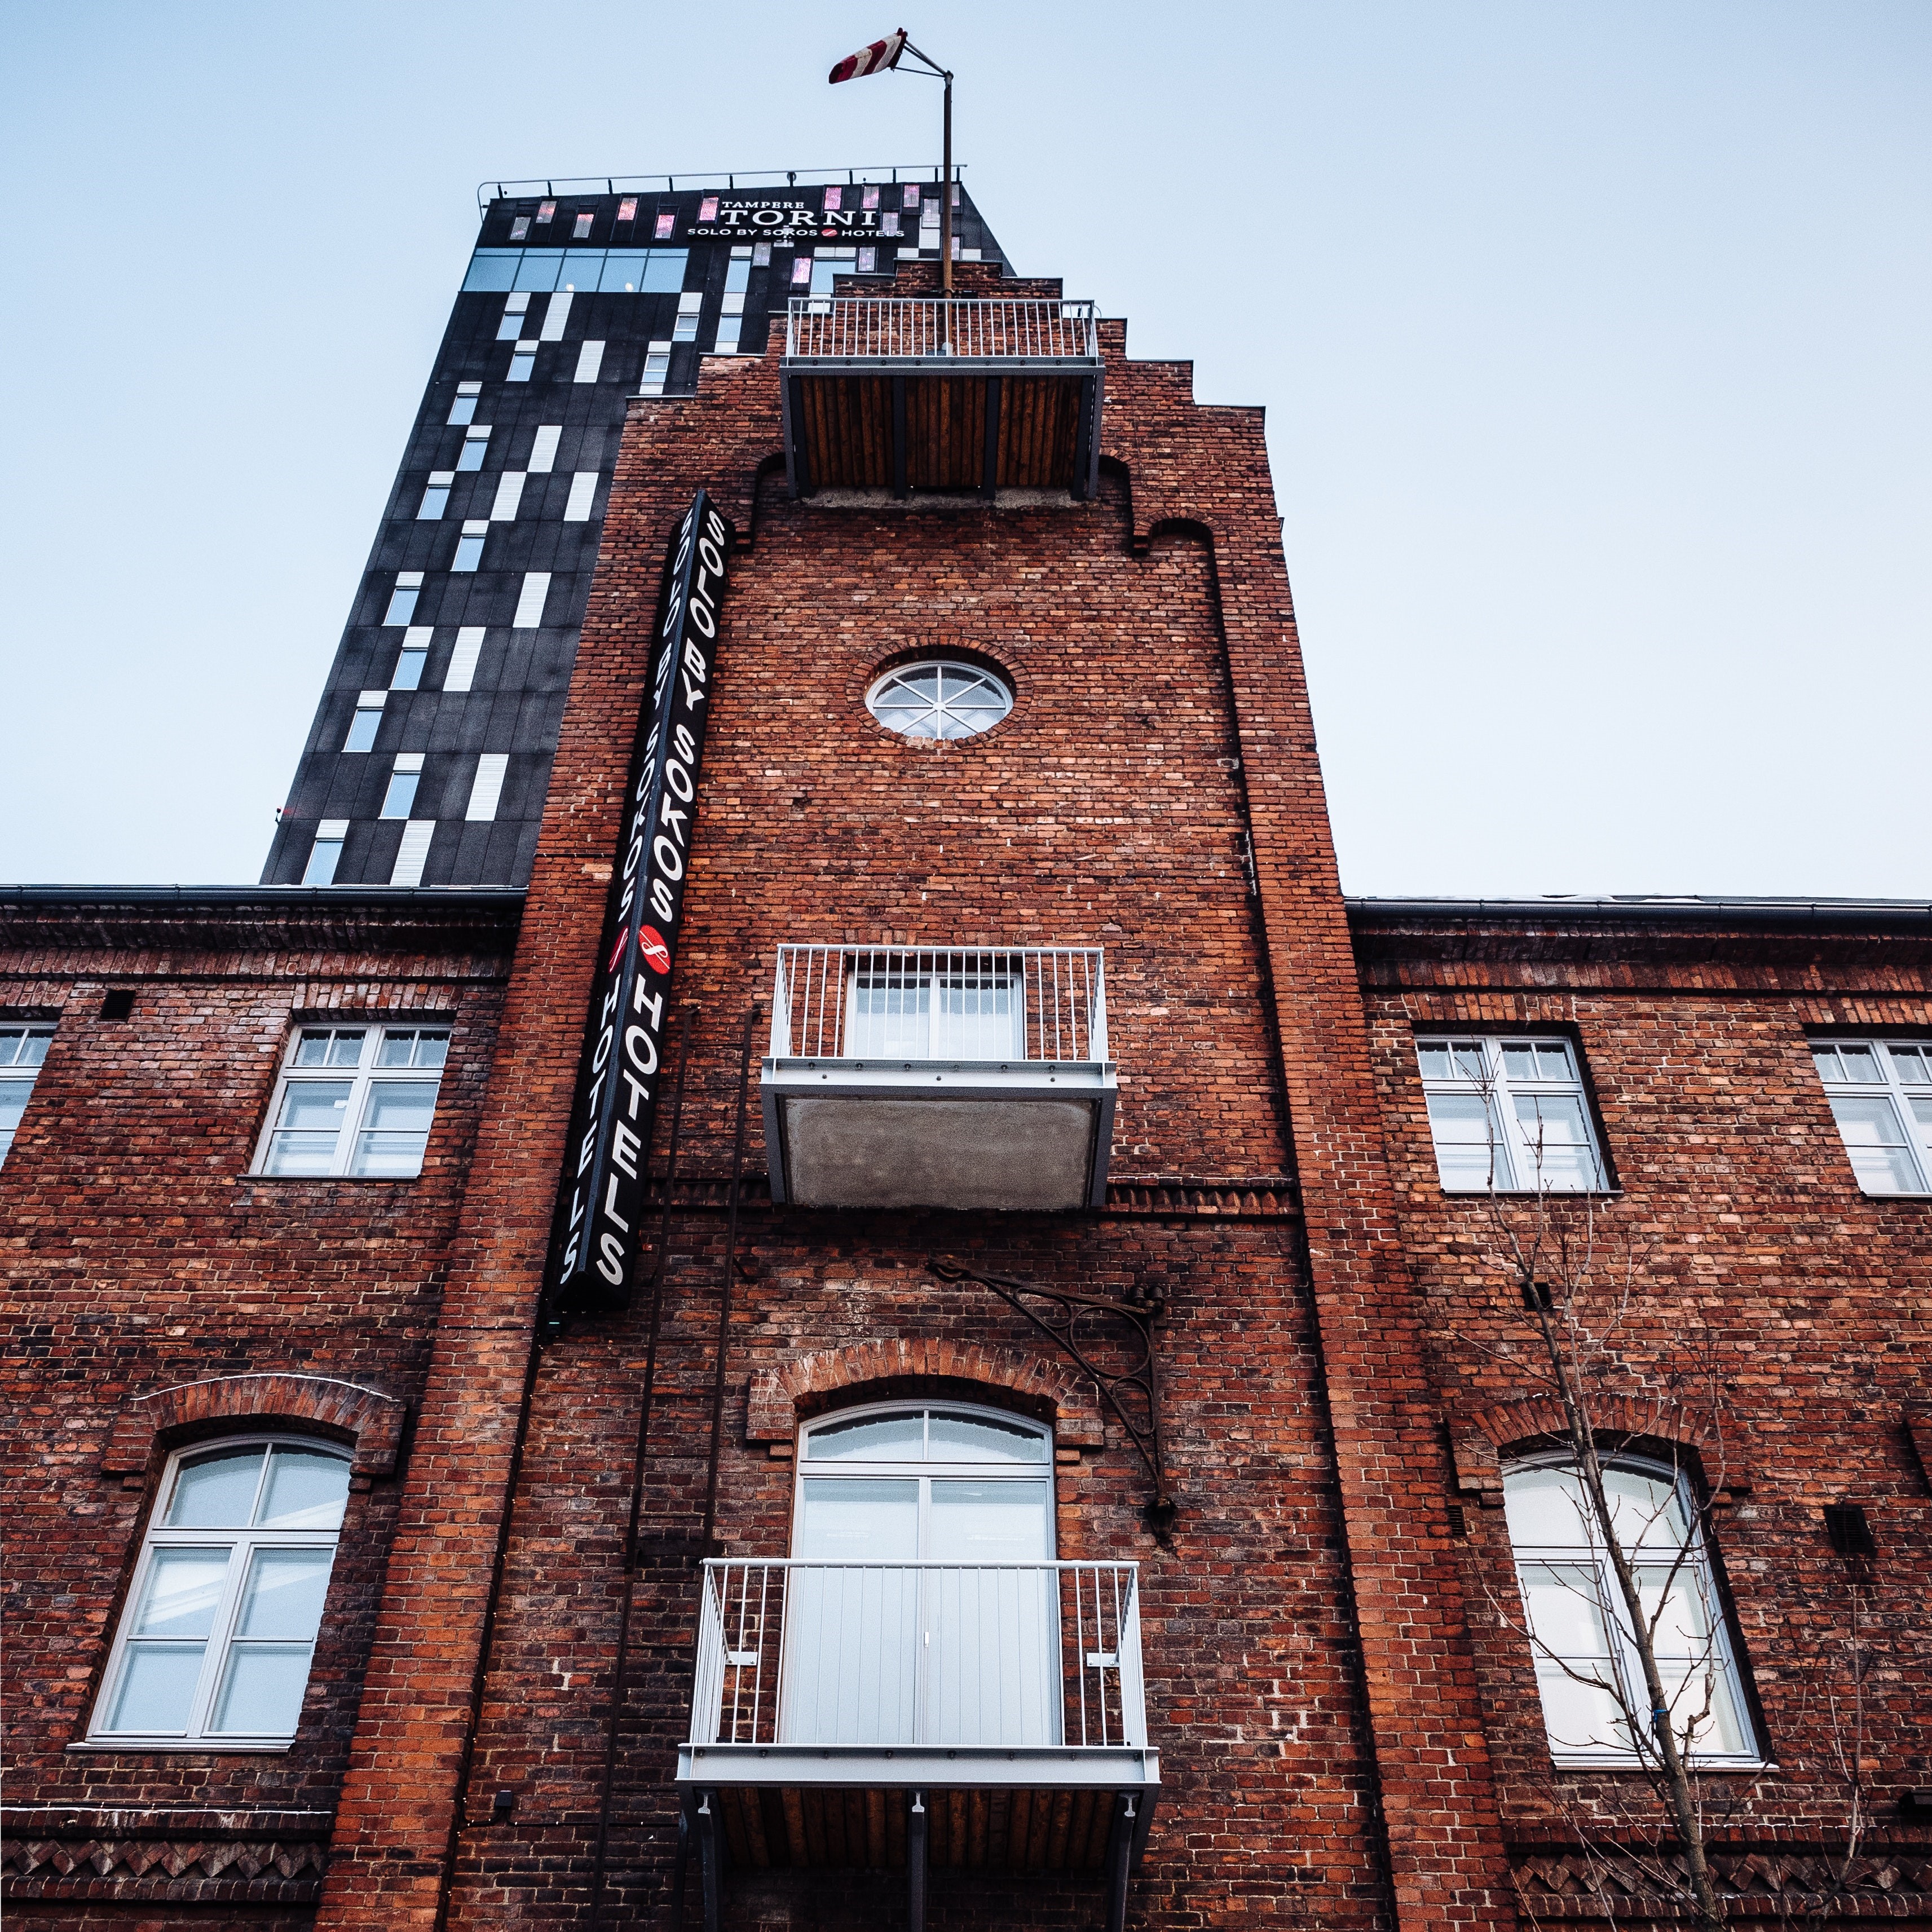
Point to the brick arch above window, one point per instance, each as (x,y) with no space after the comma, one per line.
(370,1422)
(1483,1441)
(1035,1384)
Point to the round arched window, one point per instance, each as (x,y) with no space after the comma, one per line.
(939,697)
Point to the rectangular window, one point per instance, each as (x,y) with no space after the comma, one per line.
(412,658)
(590,360)
(412,853)
(326,854)
(583,495)
(738,272)
(530,600)
(462,673)
(869,198)
(761,254)
(22,1049)
(470,547)
(889,222)
(403,599)
(476,446)
(509,494)
(355,1101)
(512,326)
(627,208)
(657,366)
(520,227)
(911,197)
(464,409)
(543,450)
(1880,1092)
(488,786)
(868,260)
(801,271)
(666,226)
(832,198)
(580,230)
(707,208)
(1509,1116)
(404,777)
(545,209)
(555,316)
(729,327)
(537,270)
(523,360)
(435,497)
(362,727)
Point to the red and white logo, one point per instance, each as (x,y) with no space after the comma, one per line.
(656,953)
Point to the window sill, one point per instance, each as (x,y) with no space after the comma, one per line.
(1705,1766)
(200,1746)
(1867,1194)
(336,1179)
(1532,1193)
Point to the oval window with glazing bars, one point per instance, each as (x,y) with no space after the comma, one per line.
(939,697)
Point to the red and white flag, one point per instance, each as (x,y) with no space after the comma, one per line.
(870,60)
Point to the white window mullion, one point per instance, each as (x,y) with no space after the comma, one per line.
(220,1634)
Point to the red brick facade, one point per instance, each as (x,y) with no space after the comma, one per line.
(1346,1739)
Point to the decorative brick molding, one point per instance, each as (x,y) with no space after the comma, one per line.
(782,1398)
(1774,1882)
(371,1421)
(1479,1443)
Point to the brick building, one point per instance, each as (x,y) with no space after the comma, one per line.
(1064,1443)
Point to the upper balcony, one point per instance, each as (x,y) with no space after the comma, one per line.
(954,395)
(950,1077)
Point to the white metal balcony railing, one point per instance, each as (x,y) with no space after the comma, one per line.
(862,328)
(1005,1004)
(1006,1658)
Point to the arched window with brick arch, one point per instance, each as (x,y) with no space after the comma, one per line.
(215,1645)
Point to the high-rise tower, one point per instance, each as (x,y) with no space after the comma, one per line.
(430,751)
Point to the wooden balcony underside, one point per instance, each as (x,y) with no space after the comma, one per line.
(978,1830)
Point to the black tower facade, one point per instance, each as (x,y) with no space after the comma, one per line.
(429,755)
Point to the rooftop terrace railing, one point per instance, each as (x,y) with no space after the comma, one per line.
(862,328)
(883,173)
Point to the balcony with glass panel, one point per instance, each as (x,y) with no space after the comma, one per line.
(921,1681)
(946,394)
(964,1077)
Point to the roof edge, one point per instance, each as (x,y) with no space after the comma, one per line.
(415,899)
(1639,909)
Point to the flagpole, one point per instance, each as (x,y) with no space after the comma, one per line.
(946,204)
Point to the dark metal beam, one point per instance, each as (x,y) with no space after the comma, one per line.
(709,1861)
(898,436)
(989,478)
(798,467)
(1120,1851)
(916,1841)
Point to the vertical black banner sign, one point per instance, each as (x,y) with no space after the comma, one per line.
(601,1200)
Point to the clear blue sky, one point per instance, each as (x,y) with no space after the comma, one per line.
(1594,341)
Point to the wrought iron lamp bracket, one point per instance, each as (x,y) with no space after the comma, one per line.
(1132,1393)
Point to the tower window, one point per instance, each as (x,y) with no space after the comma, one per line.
(1880,1092)
(403,599)
(556,314)
(411,659)
(580,230)
(22,1050)
(868,197)
(523,360)
(520,227)
(1589,1671)
(227,1599)
(545,209)
(590,360)
(583,495)
(404,776)
(911,197)
(413,854)
(543,448)
(476,446)
(512,326)
(462,671)
(530,600)
(326,854)
(470,547)
(509,495)
(368,718)
(667,227)
(436,496)
(657,367)
(939,698)
(627,208)
(707,208)
(464,409)
(687,308)
(355,1101)
(1509,1116)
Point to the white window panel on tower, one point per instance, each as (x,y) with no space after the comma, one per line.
(326,853)
(464,407)
(463,659)
(476,446)
(555,316)
(590,360)
(413,853)
(583,495)
(657,366)
(509,494)
(367,721)
(487,787)
(436,496)
(530,602)
(543,451)
(412,658)
(403,599)
(512,326)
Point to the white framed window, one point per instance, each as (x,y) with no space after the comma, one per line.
(476,446)
(972,1008)
(215,1645)
(436,496)
(512,326)
(367,719)
(403,599)
(464,409)
(657,369)
(1509,1116)
(688,306)
(885,1497)
(405,775)
(1588,1673)
(23,1047)
(1880,1091)
(469,545)
(938,698)
(582,228)
(354,1101)
(523,362)
(326,854)
(411,659)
